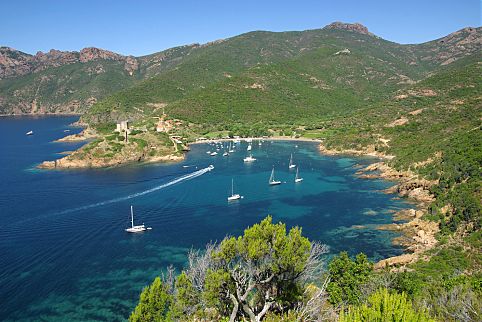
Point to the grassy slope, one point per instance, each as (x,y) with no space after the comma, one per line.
(209,74)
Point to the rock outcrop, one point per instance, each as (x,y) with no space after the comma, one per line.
(356,27)
(16,63)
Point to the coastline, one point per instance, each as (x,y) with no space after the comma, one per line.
(270,138)
(417,235)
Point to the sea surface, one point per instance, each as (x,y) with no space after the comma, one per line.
(64,254)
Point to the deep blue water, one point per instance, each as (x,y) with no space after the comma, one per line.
(62,258)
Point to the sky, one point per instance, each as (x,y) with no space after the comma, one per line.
(141,27)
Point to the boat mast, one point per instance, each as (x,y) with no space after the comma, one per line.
(297,172)
(232,187)
(132,217)
(272,176)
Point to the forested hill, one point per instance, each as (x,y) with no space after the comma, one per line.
(323,67)
(287,76)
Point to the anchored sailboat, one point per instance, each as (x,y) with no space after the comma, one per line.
(272,181)
(297,177)
(249,158)
(291,166)
(137,228)
(231,150)
(234,196)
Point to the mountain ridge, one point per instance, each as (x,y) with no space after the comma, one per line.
(72,82)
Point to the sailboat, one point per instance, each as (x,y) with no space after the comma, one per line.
(231,150)
(29,133)
(291,166)
(234,196)
(297,178)
(272,181)
(249,147)
(137,228)
(249,158)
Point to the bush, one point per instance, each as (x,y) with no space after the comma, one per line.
(347,276)
(384,306)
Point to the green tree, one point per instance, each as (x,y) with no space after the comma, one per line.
(346,277)
(263,269)
(153,304)
(383,306)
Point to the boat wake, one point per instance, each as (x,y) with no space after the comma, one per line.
(185,177)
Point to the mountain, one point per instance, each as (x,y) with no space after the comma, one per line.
(304,74)
(72,82)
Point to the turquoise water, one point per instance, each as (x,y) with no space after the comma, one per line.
(64,254)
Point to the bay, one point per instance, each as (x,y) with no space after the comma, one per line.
(64,254)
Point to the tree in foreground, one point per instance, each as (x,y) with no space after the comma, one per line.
(384,306)
(346,278)
(153,304)
(266,272)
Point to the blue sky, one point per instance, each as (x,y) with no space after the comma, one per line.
(140,27)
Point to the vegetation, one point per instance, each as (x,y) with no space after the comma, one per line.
(267,270)
(346,277)
(385,306)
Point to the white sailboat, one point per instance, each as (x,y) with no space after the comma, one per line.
(297,177)
(249,158)
(231,150)
(29,133)
(234,196)
(249,147)
(137,228)
(225,154)
(291,166)
(272,181)
(213,153)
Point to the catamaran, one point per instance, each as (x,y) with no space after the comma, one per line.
(249,158)
(137,228)
(234,196)
(272,181)
(291,166)
(297,178)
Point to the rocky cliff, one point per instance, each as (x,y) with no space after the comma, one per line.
(16,63)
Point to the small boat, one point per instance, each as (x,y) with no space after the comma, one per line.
(225,154)
(272,181)
(249,159)
(137,228)
(259,143)
(249,147)
(208,152)
(66,130)
(231,150)
(234,196)
(29,133)
(213,153)
(297,177)
(291,166)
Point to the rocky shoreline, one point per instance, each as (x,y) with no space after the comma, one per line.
(418,235)
(85,158)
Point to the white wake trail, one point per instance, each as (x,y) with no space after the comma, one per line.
(185,177)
